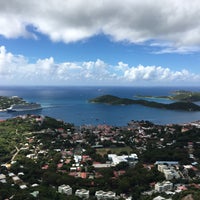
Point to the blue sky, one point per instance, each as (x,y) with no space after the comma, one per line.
(130,42)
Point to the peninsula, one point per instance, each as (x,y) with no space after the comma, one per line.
(6,102)
(16,104)
(179,95)
(114,100)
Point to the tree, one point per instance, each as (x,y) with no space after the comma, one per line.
(121,166)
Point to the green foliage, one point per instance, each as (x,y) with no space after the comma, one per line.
(122,166)
(192,193)
(52,123)
(153,155)
(6,102)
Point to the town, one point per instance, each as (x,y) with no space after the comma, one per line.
(46,158)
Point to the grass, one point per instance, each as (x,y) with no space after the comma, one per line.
(116,150)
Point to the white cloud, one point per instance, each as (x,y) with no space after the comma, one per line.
(16,69)
(173,22)
(159,75)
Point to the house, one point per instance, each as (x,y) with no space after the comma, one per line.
(82,193)
(11,174)
(65,189)
(171,173)
(168,171)
(35,194)
(164,186)
(20,174)
(34,185)
(101,165)
(119,173)
(16,179)
(2,178)
(45,167)
(77,158)
(23,187)
(160,198)
(101,195)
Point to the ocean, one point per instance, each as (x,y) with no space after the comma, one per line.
(71,105)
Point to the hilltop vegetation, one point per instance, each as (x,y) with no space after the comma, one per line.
(114,100)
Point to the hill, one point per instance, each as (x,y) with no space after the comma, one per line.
(114,100)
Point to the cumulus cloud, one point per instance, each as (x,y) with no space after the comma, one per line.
(173,22)
(159,74)
(16,69)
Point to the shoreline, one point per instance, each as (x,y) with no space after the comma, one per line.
(195,122)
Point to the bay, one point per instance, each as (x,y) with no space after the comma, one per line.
(70,104)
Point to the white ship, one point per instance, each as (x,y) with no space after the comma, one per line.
(24,107)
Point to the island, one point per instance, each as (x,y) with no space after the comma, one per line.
(114,100)
(179,95)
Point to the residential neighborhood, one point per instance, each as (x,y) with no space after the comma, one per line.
(45,158)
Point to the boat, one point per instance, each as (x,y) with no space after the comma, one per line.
(24,107)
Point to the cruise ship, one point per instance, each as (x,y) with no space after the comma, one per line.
(24,107)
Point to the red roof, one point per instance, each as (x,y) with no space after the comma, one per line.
(45,167)
(182,187)
(59,165)
(83,175)
(119,173)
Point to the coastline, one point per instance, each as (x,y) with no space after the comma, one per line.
(70,104)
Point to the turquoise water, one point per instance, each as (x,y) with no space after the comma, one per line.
(71,104)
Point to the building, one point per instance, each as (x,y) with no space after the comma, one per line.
(124,158)
(65,189)
(16,179)
(101,195)
(82,193)
(169,172)
(23,186)
(164,186)
(161,198)
(169,163)
(2,178)
(77,158)
(162,167)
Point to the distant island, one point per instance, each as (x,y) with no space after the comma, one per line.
(114,100)
(179,95)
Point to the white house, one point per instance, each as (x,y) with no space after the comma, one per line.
(82,193)
(164,186)
(65,189)
(2,178)
(77,158)
(101,195)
